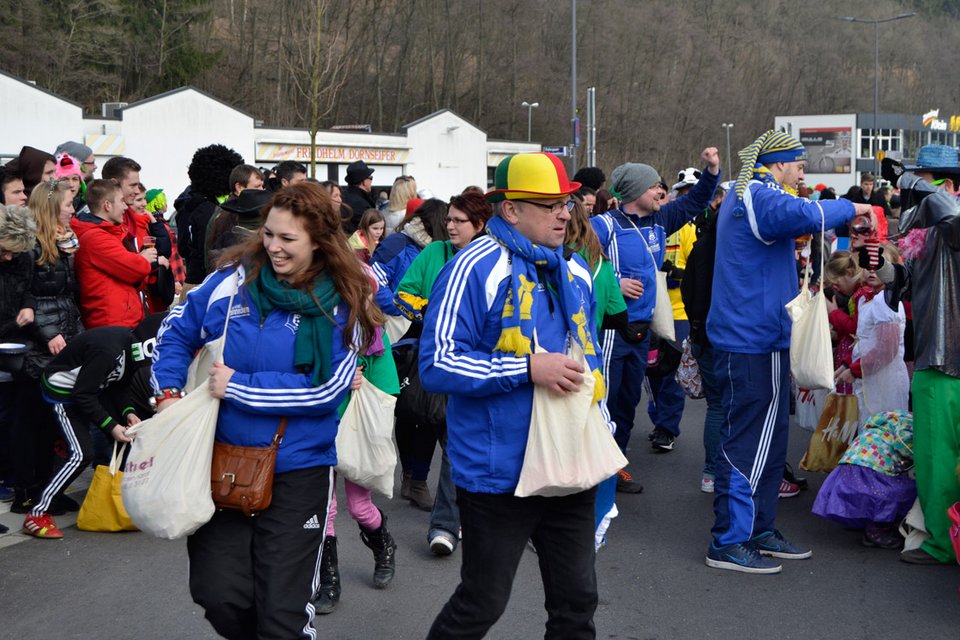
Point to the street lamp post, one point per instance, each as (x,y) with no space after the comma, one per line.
(530,106)
(875,147)
(728,126)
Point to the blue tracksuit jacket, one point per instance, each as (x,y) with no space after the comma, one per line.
(266,386)
(755,273)
(490,398)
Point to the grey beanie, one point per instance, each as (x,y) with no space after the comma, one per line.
(79,151)
(631,180)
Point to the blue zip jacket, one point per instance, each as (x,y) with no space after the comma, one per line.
(490,398)
(390,261)
(266,386)
(755,272)
(627,249)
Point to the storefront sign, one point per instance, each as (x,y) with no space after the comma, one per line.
(271,152)
(932,120)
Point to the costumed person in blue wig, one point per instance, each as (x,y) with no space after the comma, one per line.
(496,300)
(755,276)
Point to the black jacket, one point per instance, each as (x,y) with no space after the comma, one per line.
(192,219)
(54,292)
(696,288)
(15,277)
(359,201)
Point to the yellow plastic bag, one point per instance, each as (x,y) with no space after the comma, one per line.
(102,509)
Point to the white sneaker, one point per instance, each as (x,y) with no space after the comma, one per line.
(441,545)
(706,484)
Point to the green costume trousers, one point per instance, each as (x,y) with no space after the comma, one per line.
(936,451)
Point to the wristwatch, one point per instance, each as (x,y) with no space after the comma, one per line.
(165,394)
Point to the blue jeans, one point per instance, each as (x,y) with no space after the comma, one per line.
(714,418)
(445,517)
(496,527)
(753,443)
(625,373)
(667,397)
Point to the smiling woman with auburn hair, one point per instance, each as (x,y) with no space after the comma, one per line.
(300,313)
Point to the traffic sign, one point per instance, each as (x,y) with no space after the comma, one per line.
(557,151)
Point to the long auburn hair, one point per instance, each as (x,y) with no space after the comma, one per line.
(310,203)
(581,236)
(45,201)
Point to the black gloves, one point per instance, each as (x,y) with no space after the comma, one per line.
(891,170)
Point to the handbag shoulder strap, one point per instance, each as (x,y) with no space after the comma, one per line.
(281,429)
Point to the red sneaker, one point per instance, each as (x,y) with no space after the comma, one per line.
(41,526)
(788,489)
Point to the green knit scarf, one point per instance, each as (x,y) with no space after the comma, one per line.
(314,341)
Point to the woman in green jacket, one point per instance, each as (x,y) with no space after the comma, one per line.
(466,218)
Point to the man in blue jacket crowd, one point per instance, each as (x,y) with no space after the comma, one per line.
(755,276)
(634,238)
(506,293)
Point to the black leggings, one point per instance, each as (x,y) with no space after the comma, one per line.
(415,444)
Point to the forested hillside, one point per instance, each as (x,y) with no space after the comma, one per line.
(667,73)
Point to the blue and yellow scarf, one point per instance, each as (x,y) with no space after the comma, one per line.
(519,314)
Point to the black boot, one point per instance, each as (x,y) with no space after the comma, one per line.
(384,552)
(405,479)
(329,593)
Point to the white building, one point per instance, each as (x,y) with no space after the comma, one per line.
(443,151)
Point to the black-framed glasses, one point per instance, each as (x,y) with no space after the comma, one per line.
(448,220)
(556,208)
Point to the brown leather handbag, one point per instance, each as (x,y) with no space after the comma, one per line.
(241,478)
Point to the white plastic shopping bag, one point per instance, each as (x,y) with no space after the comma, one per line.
(366,454)
(662,322)
(811,351)
(166,481)
(569,446)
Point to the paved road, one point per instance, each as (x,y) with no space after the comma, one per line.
(653,583)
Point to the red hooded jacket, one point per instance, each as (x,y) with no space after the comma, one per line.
(108,274)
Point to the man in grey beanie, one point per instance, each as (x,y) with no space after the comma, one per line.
(83,155)
(634,237)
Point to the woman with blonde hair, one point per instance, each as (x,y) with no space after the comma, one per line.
(54,320)
(611,315)
(54,285)
(404,188)
(298,301)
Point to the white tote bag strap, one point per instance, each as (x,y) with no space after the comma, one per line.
(226,320)
(117,457)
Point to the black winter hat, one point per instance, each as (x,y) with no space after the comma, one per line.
(357,172)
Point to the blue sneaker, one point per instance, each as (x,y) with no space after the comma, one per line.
(742,557)
(774,544)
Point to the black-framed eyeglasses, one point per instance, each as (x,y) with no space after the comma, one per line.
(555,208)
(448,220)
